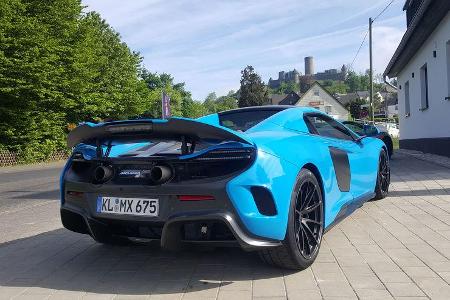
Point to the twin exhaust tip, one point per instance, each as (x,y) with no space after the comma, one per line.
(103,174)
(158,174)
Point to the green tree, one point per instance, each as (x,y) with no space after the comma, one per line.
(253,92)
(195,109)
(355,108)
(157,84)
(361,82)
(286,88)
(104,82)
(357,82)
(335,87)
(59,66)
(227,102)
(35,50)
(214,104)
(210,103)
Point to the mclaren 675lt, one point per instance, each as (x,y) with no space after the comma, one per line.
(272,179)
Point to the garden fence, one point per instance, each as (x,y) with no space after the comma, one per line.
(8,158)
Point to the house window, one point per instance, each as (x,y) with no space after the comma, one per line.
(316,93)
(424,87)
(448,70)
(328,109)
(407,107)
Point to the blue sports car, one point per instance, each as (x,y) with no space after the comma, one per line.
(271,179)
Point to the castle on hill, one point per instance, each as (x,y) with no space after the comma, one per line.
(296,77)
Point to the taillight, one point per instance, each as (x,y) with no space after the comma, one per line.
(75,194)
(227,154)
(214,163)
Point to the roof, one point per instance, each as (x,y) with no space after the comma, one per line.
(425,21)
(277,98)
(390,98)
(284,99)
(346,98)
(316,83)
(407,4)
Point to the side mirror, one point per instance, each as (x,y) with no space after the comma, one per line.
(369,129)
(361,137)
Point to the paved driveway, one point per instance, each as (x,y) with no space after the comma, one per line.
(398,247)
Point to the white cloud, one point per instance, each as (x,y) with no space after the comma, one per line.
(207,43)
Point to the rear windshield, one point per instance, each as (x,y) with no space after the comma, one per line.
(244,120)
(155,147)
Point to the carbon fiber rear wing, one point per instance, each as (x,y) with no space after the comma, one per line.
(141,130)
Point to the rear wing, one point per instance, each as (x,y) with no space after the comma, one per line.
(142,130)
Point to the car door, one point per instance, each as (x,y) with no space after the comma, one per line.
(347,154)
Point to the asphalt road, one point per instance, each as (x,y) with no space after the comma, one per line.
(395,248)
(29,197)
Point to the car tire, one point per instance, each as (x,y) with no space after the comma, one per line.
(390,146)
(383,176)
(304,231)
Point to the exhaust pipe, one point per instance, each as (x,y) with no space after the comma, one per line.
(160,174)
(103,174)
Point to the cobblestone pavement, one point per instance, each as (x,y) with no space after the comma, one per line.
(398,248)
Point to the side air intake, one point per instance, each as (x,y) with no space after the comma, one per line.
(264,200)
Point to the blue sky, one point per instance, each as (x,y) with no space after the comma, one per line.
(207,43)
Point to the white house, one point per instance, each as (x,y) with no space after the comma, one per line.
(392,110)
(421,64)
(318,97)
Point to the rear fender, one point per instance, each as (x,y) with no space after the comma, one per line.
(298,150)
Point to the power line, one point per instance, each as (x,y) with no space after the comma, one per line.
(367,32)
(382,12)
(359,49)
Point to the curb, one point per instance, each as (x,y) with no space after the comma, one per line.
(431,158)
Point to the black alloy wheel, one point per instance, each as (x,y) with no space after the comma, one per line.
(305,226)
(308,216)
(383,176)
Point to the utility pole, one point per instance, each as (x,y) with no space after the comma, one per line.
(371,112)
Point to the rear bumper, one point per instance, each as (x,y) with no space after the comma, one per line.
(79,214)
(170,237)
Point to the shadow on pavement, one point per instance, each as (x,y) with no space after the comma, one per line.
(426,192)
(44,195)
(67,261)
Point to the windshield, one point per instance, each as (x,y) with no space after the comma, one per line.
(355,127)
(242,120)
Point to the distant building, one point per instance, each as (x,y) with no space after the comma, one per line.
(421,64)
(287,77)
(389,104)
(318,97)
(284,99)
(388,98)
(332,74)
(392,110)
(350,97)
(297,78)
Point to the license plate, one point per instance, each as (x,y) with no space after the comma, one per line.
(128,206)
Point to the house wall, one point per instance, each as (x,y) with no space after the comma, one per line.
(427,129)
(392,110)
(320,99)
